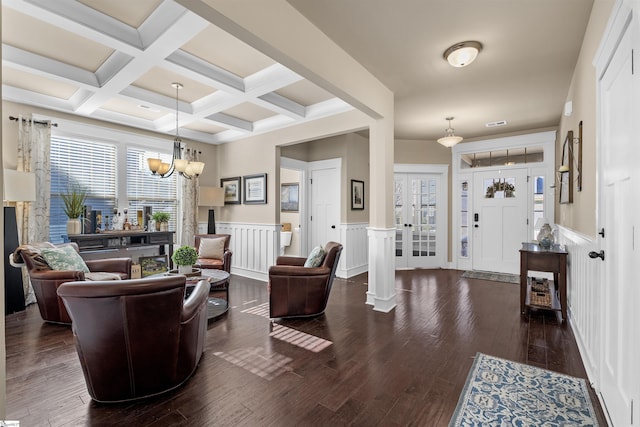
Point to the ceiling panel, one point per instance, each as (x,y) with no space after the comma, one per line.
(218,47)
(124,106)
(204,126)
(132,13)
(32,82)
(159,80)
(305,93)
(249,112)
(33,35)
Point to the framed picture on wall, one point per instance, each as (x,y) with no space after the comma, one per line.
(255,189)
(289,197)
(566,174)
(357,195)
(232,190)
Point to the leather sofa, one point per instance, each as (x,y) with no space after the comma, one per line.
(46,281)
(298,291)
(136,338)
(221,264)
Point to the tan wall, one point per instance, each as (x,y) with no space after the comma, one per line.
(581,214)
(291,176)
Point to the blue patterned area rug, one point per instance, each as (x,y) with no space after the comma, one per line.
(501,393)
(488,275)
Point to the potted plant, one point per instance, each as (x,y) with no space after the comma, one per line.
(161,220)
(74,200)
(184,257)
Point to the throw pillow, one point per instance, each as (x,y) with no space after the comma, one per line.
(315,257)
(211,248)
(64,258)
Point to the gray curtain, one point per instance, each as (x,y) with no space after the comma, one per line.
(34,142)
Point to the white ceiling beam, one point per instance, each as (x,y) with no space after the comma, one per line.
(231,122)
(281,105)
(223,79)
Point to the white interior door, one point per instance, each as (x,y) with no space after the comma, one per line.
(325,205)
(419,220)
(620,375)
(499,219)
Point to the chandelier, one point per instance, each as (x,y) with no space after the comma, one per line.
(185,168)
(449,139)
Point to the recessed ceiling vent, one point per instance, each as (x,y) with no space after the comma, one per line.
(495,124)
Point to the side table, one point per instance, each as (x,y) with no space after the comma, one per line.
(554,260)
(218,281)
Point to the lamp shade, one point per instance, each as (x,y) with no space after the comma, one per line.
(19,186)
(211,196)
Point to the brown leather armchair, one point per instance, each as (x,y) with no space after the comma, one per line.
(298,291)
(136,338)
(220,264)
(46,281)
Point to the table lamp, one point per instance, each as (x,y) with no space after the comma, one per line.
(18,187)
(210,197)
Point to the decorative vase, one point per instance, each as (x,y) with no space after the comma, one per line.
(185,269)
(74,226)
(545,237)
(164,226)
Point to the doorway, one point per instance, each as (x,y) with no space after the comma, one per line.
(420,213)
(499,219)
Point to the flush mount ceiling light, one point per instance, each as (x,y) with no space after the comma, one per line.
(449,139)
(462,54)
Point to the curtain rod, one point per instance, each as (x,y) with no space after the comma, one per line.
(34,121)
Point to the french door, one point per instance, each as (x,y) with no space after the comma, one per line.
(419,220)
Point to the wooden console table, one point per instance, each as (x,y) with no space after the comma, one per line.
(124,239)
(554,260)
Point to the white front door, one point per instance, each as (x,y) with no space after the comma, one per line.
(620,375)
(325,204)
(499,219)
(418,221)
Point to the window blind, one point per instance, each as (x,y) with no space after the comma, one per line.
(90,166)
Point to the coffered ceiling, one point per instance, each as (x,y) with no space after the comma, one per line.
(115,60)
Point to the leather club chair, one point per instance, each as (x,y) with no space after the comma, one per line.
(46,281)
(136,338)
(298,291)
(213,263)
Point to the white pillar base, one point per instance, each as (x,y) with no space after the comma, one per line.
(382,287)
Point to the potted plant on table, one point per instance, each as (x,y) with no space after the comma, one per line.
(161,220)
(184,257)
(74,200)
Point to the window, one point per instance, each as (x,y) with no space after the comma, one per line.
(94,167)
(88,165)
(144,189)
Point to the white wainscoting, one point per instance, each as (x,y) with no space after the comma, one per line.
(583,296)
(255,248)
(355,254)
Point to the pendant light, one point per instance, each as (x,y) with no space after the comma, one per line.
(185,168)
(449,139)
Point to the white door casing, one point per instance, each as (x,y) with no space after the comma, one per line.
(499,219)
(419,233)
(618,207)
(325,202)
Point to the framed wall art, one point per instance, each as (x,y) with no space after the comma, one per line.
(289,199)
(232,190)
(150,265)
(357,195)
(566,170)
(255,189)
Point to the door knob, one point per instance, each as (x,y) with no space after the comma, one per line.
(333,226)
(594,255)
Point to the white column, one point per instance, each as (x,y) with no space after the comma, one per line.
(382,290)
(381,293)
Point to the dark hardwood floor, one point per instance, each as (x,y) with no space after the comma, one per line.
(350,366)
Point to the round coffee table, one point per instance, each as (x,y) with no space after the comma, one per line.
(218,282)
